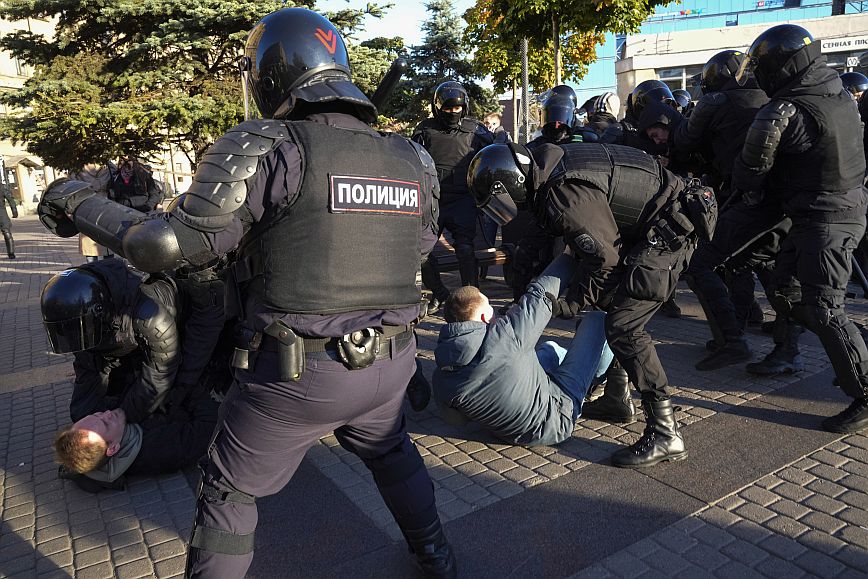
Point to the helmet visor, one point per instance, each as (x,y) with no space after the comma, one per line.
(745,70)
(75,334)
(499,205)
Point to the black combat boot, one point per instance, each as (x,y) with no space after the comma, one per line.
(784,359)
(853,419)
(733,351)
(418,390)
(660,442)
(432,551)
(670,308)
(616,404)
(755,316)
(10,244)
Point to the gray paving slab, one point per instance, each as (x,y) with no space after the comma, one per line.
(763,493)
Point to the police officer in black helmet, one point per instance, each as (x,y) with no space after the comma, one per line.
(329,218)
(804,149)
(632,225)
(746,238)
(452,139)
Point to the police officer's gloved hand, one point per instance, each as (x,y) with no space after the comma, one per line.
(15,213)
(563,308)
(752,198)
(65,195)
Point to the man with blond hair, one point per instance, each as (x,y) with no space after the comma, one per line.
(489,369)
(97,451)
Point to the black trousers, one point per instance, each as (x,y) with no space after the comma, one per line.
(267,426)
(745,238)
(810,280)
(650,274)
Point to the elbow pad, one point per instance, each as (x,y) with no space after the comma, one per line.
(764,135)
(152,246)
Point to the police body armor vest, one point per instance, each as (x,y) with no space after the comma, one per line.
(630,177)
(350,240)
(123,286)
(829,165)
(452,151)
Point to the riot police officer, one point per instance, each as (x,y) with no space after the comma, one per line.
(5,223)
(125,335)
(803,151)
(451,138)
(855,83)
(683,101)
(627,132)
(746,238)
(331,217)
(632,225)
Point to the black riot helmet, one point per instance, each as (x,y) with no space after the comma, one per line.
(778,55)
(720,69)
(558,110)
(498,180)
(447,95)
(649,91)
(295,55)
(855,83)
(682,99)
(564,91)
(77,310)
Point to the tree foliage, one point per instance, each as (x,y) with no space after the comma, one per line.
(125,76)
(496,28)
(441,56)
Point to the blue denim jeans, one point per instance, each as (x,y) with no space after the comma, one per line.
(587,357)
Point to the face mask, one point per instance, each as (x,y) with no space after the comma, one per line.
(450,119)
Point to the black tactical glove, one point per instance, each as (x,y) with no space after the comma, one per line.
(14,212)
(751,198)
(58,202)
(563,308)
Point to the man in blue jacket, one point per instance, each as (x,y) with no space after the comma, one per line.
(490,371)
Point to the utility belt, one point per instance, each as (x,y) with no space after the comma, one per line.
(355,350)
(691,214)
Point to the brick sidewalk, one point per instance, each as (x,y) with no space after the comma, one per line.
(764,492)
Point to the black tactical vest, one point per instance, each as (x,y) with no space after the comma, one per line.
(830,165)
(350,240)
(628,176)
(452,151)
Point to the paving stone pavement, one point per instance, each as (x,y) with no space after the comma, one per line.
(806,518)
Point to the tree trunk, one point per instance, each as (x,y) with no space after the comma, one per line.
(556,40)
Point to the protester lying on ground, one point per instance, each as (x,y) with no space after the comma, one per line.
(490,371)
(98,451)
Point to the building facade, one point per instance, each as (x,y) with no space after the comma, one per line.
(677,57)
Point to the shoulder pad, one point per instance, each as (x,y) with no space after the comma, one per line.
(775,110)
(424,156)
(714,99)
(470,125)
(219,186)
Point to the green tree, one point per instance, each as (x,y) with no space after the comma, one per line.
(128,76)
(442,56)
(496,28)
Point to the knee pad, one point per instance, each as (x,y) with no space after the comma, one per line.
(812,317)
(215,491)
